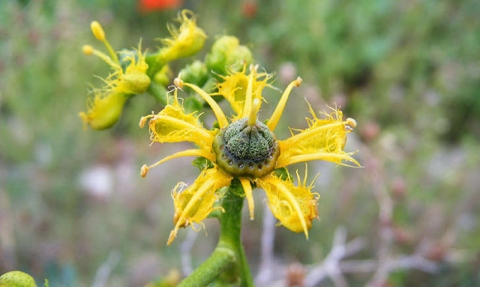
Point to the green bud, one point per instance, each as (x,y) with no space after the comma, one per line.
(195,73)
(17,279)
(228,54)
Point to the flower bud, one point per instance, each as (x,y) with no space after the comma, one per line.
(18,279)
(195,73)
(133,78)
(186,41)
(104,110)
(228,53)
(163,76)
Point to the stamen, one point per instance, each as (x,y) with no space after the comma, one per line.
(247,188)
(351,122)
(247,110)
(221,118)
(272,123)
(99,34)
(252,118)
(87,50)
(97,31)
(189,152)
(144,170)
(143,120)
(337,158)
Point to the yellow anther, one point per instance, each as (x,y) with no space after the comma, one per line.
(272,123)
(142,122)
(298,82)
(351,122)
(97,31)
(178,83)
(144,170)
(87,50)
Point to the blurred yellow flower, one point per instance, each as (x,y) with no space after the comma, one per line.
(185,41)
(103,109)
(248,150)
(129,77)
(17,279)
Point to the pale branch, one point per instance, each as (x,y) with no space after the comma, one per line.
(105,270)
(185,252)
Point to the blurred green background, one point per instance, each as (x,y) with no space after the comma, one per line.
(72,200)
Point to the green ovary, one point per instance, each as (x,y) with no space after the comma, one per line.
(243,150)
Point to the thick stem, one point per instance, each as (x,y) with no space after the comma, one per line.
(230,234)
(216,264)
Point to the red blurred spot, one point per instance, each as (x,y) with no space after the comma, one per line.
(249,9)
(146,6)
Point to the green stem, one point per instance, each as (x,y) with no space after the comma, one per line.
(230,233)
(154,64)
(158,92)
(228,264)
(209,270)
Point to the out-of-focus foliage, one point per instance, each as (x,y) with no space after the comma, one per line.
(407,71)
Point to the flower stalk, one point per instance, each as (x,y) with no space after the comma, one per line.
(227,265)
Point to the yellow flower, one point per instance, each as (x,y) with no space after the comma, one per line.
(127,79)
(248,150)
(186,40)
(103,109)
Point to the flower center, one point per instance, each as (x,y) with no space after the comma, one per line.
(246,150)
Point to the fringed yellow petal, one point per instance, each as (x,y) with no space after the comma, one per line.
(186,40)
(247,189)
(134,80)
(103,109)
(195,203)
(170,129)
(324,139)
(294,206)
(172,124)
(234,88)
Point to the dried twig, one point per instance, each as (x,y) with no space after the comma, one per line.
(185,252)
(268,237)
(330,267)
